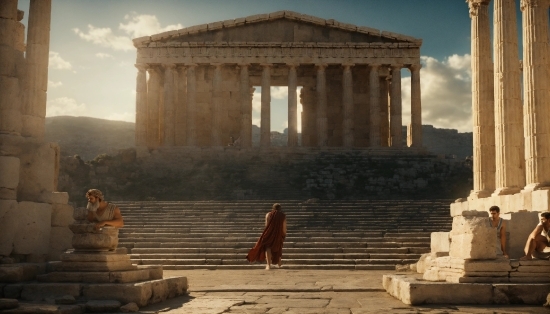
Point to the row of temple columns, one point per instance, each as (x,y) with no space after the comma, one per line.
(182,77)
(511,138)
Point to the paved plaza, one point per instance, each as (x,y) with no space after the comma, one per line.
(301,291)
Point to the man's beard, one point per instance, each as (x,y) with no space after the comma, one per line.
(92,206)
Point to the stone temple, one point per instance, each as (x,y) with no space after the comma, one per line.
(200,83)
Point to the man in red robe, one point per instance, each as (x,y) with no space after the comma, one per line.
(269,246)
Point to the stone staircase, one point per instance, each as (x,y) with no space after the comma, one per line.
(371,234)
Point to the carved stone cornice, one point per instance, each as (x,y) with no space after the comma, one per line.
(141,67)
(528,3)
(474,6)
(415,67)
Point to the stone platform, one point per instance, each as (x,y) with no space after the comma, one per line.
(414,291)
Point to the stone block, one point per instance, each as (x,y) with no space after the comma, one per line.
(474,280)
(60,198)
(8,10)
(76,276)
(472,237)
(6,304)
(124,293)
(519,225)
(130,276)
(541,200)
(8,32)
(19,272)
(177,286)
(498,265)
(9,168)
(7,70)
(37,174)
(433,274)
(424,263)
(13,291)
(41,291)
(130,307)
(101,306)
(534,269)
(9,225)
(414,292)
(33,233)
(33,126)
(523,293)
(60,241)
(440,242)
(155,272)
(8,194)
(534,262)
(530,279)
(93,266)
(62,215)
(91,257)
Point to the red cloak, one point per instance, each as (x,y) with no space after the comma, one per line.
(273,237)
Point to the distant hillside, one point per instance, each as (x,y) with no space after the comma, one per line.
(89,137)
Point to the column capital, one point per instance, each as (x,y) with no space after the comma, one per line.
(243,64)
(396,66)
(347,65)
(266,65)
(190,65)
(170,66)
(474,5)
(142,66)
(415,67)
(217,64)
(528,3)
(321,66)
(292,65)
(374,65)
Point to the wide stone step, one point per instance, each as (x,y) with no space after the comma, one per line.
(236,256)
(286,250)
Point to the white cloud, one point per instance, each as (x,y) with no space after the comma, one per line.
(52,84)
(102,55)
(257,122)
(105,38)
(446,93)
(124,116)
(64,106)
(279,92)
(144,25)
(55,62)
(257,102)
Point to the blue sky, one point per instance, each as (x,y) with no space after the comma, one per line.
(92,69)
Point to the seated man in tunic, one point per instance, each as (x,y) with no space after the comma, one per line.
(500,225)
(101,212)
(537,245)
(269,246)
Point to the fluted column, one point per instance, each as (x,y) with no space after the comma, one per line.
(347,101)
(153,101)
(246,107)
(414,129)
(482,101)
(374,106)
(217,106)
(322,121)
(191,105)
(141,106)
(536,94)
(37,56)
(384,112)
(169,106)
(292,107)
(510,162)
(265,128)
(181,105)
(395,107)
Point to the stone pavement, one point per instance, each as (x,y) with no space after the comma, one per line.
(301,291)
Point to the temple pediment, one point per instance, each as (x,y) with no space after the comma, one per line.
(282,27)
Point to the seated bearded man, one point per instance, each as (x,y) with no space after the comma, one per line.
(101,212)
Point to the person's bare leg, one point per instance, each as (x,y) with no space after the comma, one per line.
(268,258)
(539,243)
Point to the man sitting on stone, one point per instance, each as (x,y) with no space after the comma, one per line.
(500,225)
(539,240)
(102,212)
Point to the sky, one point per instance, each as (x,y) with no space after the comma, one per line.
(91,65)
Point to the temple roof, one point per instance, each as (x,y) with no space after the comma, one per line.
(283,26)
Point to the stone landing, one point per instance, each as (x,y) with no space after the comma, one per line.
(412,290)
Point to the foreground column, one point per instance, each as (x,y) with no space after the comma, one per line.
(482,101)
(246,107)
(414,130)
(169,106)
(141,106)
(265,128)
(191,105)
(347,101)
(536,94)
(292,107)
(374,106)
(37,55)
(217,106)
(322,121)
(153,99)
(395,107)
(510,162)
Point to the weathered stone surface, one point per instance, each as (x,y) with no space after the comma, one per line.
(524,293)
(461,279)
(102,240)
(75,276)
(533,279)
(62,215)
(414,292)
(534,269)
(37,174)
(424,263)
(9,224)
(472,238)
(440,242)
(501,264)
(93,266)
(33,233)
(13,291)
(534,262)
(66,299)
(9,168)
(6,304)
(93,257)
(40,291)
(519,226)
(60,241)
(61,198)
(124,293)
(130,276)
(98,306)
(20,272)
(129,308)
